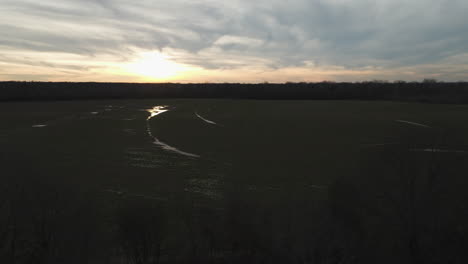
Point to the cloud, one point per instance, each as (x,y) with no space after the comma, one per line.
(342,38)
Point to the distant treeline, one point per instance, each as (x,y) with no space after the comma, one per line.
(428,90)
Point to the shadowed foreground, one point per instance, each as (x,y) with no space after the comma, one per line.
(265,182)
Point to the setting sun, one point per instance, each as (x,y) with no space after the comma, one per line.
(155,66)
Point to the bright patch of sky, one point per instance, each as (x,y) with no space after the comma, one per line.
(233,41)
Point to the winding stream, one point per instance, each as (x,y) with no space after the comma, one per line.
(157,110)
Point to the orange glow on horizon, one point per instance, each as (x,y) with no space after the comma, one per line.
(156,66)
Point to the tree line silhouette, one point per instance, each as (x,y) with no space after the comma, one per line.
(429,90)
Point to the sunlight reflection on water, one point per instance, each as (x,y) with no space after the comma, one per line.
(205,120)
(39,126)
(157,110)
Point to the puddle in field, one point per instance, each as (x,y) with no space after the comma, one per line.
(439,150)
(157,110)
(173,149)
(205,120)
(39,126)
(109,108)
(412,123)
(94,113)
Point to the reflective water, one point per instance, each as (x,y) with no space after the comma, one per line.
(157,110)
(412,123)
(439,150)
(173,149)
(205,120)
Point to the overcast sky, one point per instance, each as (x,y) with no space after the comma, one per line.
(234,40)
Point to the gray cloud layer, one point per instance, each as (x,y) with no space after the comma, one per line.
(382,35)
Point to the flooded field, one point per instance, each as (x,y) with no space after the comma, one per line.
(230,181)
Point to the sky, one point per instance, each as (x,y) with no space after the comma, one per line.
(233,40)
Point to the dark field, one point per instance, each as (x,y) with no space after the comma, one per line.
(233,181)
